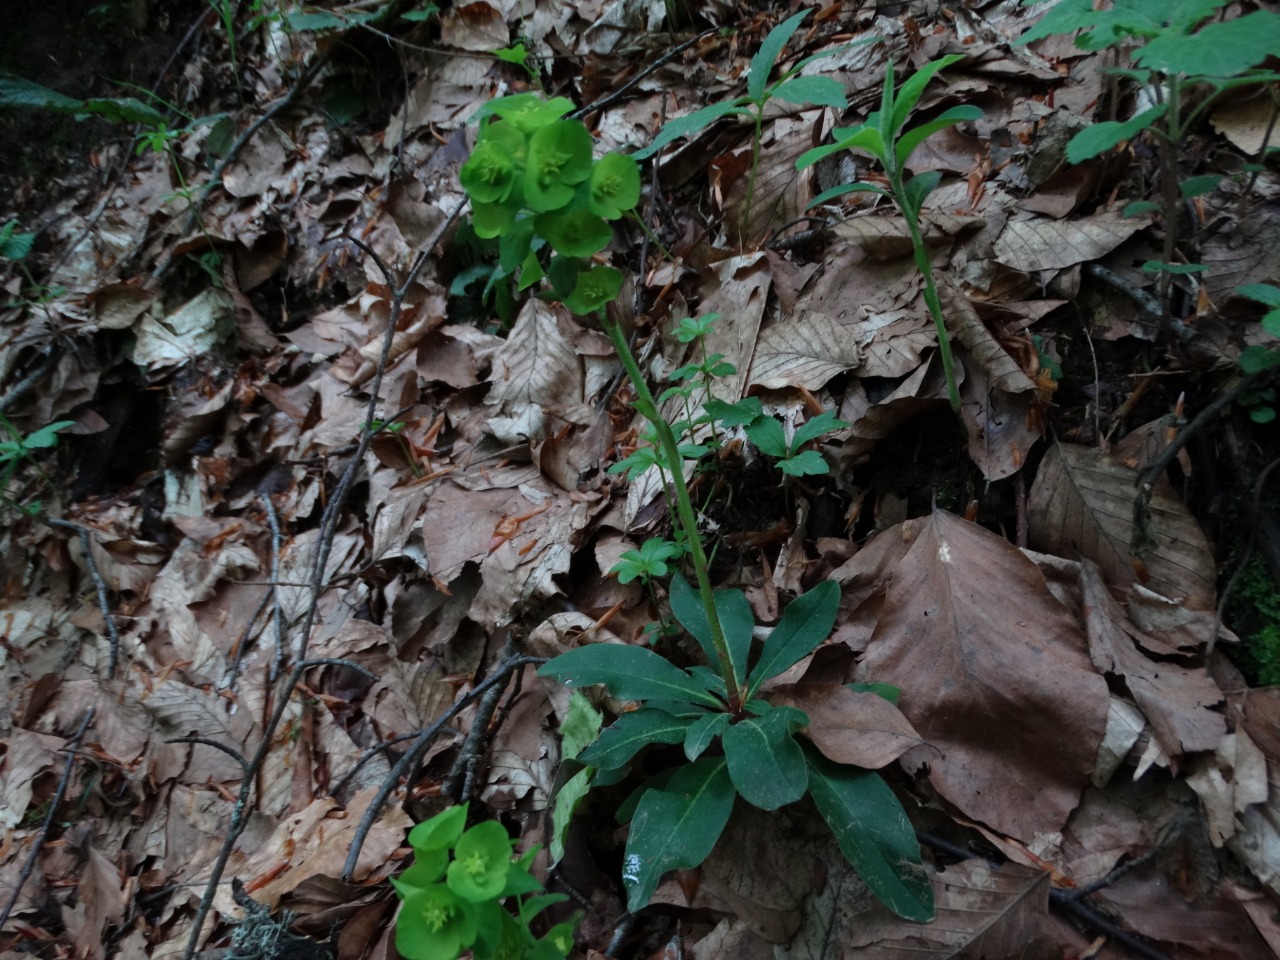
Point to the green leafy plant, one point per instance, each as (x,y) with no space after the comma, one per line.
(1259,358)
(19,448)
(754,751)
(454,890)
(534,185)
(790,87)
(793,460)
(1175,49)
(650,561)
(883,137)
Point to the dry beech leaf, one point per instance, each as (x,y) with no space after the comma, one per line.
(537,368)
(849,726)
(1176,700)
(805,350)
(981,650)
(1040,244)
(1081,504)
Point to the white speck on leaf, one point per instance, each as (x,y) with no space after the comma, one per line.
(944,553)
(631,868)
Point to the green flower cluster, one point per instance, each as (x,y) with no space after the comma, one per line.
(452,904)
(535,185)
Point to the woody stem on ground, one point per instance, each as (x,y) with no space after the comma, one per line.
(931,299)
(684,504)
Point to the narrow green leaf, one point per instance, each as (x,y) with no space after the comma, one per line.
(908,142)
(1139,207)
(767,56)
(630,734)
(688,125)
(885,691)
(818,426)
(864,138)
(913,88)
(1100,137)
(736,620)
(874,834)
(702,732)
(677,827)
(1159,266)
(46,436)
(765,762)
(917,189)
(734,414)
(567,799)
(805,623)
(828,195)
(818,91)
(629,673)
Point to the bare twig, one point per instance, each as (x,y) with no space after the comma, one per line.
(1142,540)
(233,753)
(277,615)
(328,528)
(233,671)
(52,354)
(43,835)
(658,64)
(410,759)
(457,784)
(104,605)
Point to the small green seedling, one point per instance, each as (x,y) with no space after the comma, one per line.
(650,561)
(454,890)
(793,460)
(20,448)
(790,87)
(883,137)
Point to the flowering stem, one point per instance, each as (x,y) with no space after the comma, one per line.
(684,504)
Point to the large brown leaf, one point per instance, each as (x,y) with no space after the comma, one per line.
(994,674)
(1082,505)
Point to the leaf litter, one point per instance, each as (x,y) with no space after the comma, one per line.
(1056,707)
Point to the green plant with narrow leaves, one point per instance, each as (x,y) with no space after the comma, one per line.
(535,186)
(883,137)
(1177,49)
(790,87)
(454,891)
(755,750)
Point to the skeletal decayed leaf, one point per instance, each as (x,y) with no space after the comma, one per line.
(1081,504)
(1177,701)
(980,647)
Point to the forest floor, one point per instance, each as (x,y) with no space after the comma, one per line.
(327,488)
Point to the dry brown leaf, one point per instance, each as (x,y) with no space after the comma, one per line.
(537,371)
(1040,244)
(804,350)
(980,648)
(1081,504)
(849,726)
(1177,701)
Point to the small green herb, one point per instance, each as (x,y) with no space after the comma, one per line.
(883,137)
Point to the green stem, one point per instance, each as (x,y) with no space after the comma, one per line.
(684,504)
(1169,188)
(745,224)
(930,290)
(653,237)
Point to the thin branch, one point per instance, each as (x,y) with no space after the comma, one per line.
(104,604)
(277,615)
(410,759)
(53,353)
(233,671)
(233,753)
(457,784)
(1142,539)
(38,845)
(616,95)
